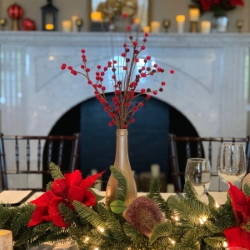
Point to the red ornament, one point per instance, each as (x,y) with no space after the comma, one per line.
(28,24)
(15,11)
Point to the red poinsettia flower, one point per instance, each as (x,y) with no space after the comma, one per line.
(236,2)
(47,210)
(64,190)
(238,236)
(240,203)
(208,4)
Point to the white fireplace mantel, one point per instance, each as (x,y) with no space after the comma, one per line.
(209,87)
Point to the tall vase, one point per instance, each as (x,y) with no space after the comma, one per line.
(122,163)
(220,24)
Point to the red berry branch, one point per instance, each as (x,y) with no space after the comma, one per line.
(121,110)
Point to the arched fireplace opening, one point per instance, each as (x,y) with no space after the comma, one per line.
(148,136)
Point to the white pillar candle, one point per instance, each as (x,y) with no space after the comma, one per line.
(155,26)
(194,14)
(155,171)
(74,26)
(180,19)
(66,26)
(205,27)
(6,240)
(170,188)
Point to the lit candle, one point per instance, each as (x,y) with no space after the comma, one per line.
(66,26)
(180,19)
(155,26)
(205,27)
(146,29)
(137,21)
(49,26)
(74,26)
(6,240)
(194,14)
(155,170)
(96,16)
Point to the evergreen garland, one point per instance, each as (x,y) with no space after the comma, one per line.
(189,223)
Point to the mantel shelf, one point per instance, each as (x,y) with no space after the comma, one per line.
(105,39)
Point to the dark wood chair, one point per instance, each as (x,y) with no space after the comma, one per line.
(31,155)
(181,148)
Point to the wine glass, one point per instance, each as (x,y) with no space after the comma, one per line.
(231,162)
(198,172)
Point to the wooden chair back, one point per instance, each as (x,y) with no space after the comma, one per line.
(182,148)
(26,155)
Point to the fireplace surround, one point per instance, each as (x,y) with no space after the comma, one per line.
(210,86)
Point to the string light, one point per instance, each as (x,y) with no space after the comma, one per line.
(172,241)
(86,239)
(96,248)
(100,229)
(176,218)
(203,220)
(217,205)
(225,244)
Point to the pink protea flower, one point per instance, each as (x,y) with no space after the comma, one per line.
(144,214)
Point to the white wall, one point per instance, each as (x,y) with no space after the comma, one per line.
(160,9)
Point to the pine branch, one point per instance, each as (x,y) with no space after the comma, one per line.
(155,195)
(192,239)
(122,183)
(215,242)
(189,210)
(136,237)
(113,225)
(55,171)
(68,214)
(160,230)
(189,191)
(88,214)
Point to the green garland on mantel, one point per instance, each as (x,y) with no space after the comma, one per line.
(188,223)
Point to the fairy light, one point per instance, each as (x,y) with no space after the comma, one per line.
(176,218)
(96,248)
(100,229)
(202,220)
(217,205)
(225,244)
(172,241)
(86,239)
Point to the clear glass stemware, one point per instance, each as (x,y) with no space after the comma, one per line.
(231,162)
(198,172)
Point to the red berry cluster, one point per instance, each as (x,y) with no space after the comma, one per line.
(121,110)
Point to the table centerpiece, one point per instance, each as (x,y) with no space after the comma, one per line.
(71,209)
(126,76)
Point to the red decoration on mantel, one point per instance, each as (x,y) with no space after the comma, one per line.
(15,12)
(28,24)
